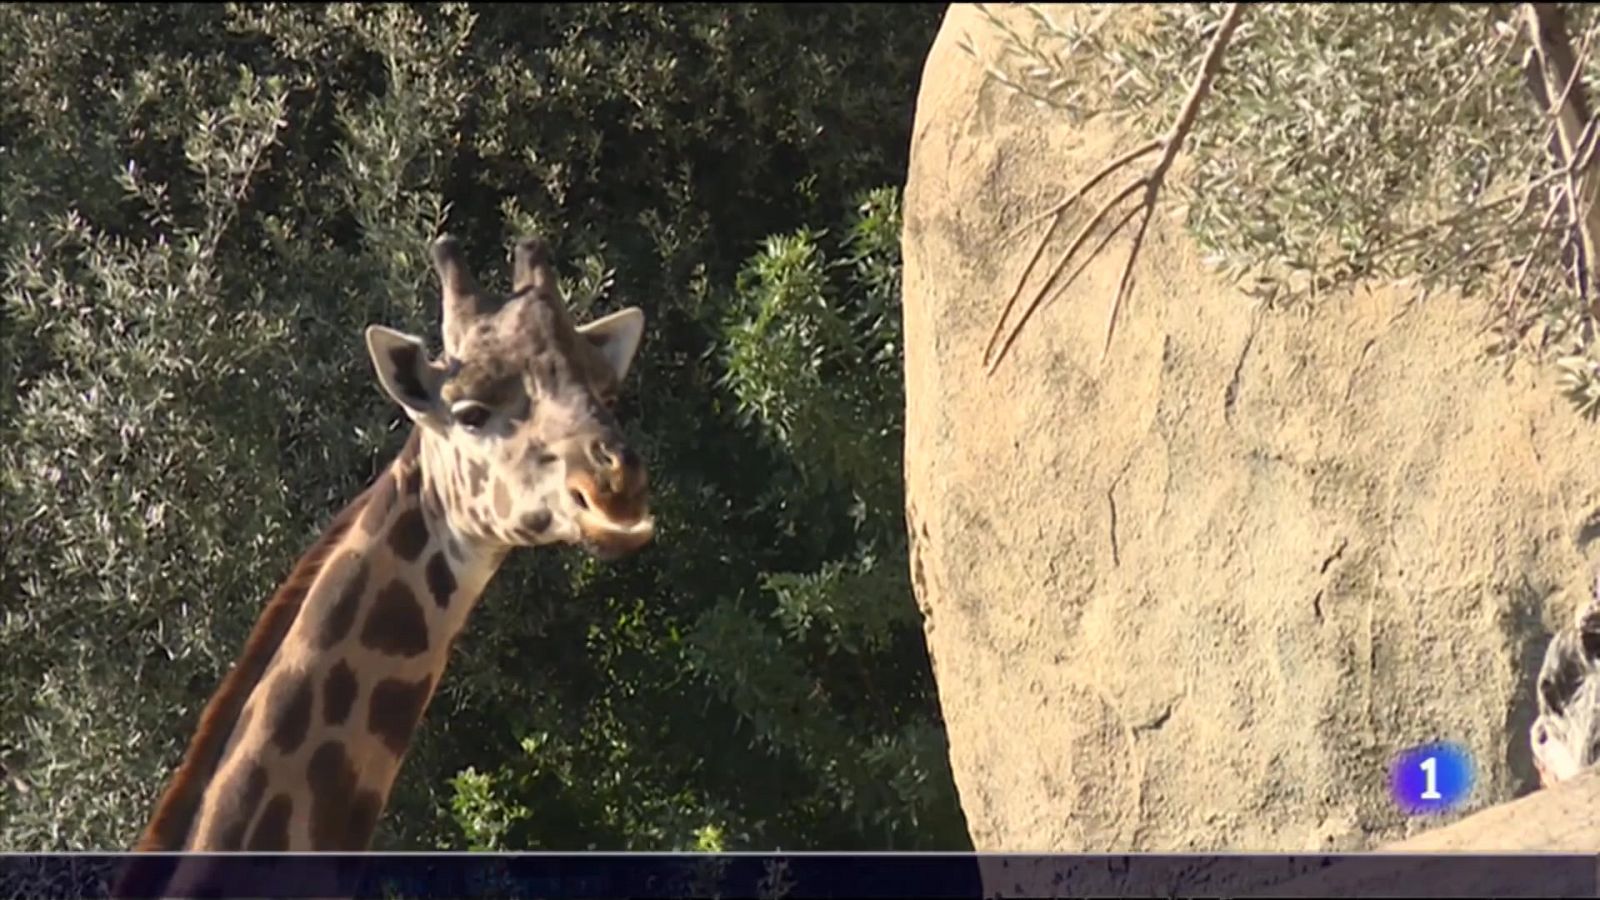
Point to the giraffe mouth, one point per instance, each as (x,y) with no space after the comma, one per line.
(608,541)
(612,513)
(607,538)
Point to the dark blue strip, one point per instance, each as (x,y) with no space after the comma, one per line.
(585,876)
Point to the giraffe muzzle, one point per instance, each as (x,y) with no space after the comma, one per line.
(609,541)
(611,501)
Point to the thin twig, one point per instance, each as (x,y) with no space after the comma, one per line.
(1054,214)
(1150,184)
(1083,233)
(1477,73)
(1572,78)
(1425,231)
(1558,65)
(1585,152)
(1038,251)
(1533,253)
(1089,258)
(1533,74)
(1175,138)
(1103,174)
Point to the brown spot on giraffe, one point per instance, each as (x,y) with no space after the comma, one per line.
(395,709)
(441,580)
(396,625)
(477,474)
(271,834)
(289,706)
(249,785)
(332,778)
(339,617)
(338,693)
(409,535)
(502,499)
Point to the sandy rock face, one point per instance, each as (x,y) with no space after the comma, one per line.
(1198,596)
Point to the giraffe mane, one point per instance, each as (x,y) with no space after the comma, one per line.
(180,800)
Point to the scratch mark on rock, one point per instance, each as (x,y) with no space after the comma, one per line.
(1327,562)
(1111,500)
(1231,395)
(1334,557)
(1350,383)
(1155,723)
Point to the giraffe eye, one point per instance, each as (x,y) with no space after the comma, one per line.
(471,413)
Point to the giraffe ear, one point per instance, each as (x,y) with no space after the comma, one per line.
(616,337)
(404,371)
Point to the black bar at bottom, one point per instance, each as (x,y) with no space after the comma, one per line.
(798,875)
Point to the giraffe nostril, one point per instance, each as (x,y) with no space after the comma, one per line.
(606,454)
(578,499)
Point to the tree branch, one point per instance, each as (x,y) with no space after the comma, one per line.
(1150,184)
(1552,72)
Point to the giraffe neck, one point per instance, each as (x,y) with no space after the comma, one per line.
(334,681)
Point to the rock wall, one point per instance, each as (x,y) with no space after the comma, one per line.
(1197,596)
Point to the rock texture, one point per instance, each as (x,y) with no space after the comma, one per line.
(1197,596)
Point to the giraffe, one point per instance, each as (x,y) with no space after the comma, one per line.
(513,443)
(1566,736)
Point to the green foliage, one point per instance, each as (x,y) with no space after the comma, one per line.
(483,816)
(202,206)
(1340,142)
(708,839)
(1580,382)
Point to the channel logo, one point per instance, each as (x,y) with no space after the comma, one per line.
(1432,778)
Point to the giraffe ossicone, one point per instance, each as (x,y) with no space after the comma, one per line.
(513,444)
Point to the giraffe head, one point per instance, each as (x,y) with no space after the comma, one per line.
(519,437)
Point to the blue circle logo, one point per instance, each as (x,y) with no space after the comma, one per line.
(1431,778)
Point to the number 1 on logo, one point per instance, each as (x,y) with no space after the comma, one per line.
(1430,766)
